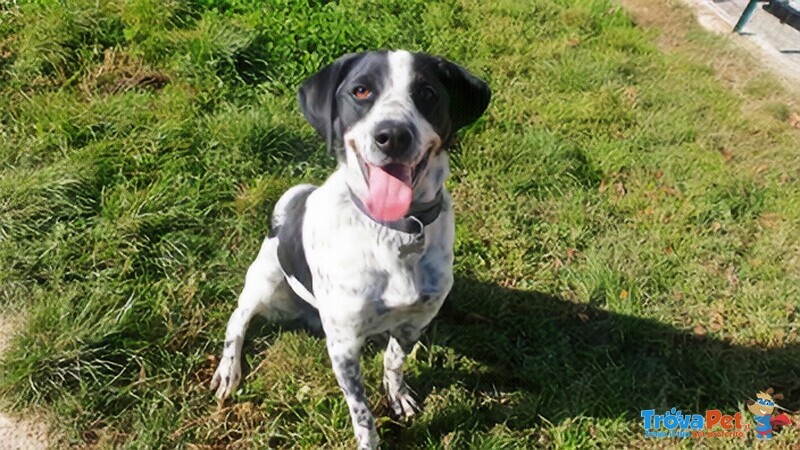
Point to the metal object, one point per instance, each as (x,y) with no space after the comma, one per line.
(788,12)
(785,10)
(748,12)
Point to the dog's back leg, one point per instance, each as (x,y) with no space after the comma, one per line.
(265,293)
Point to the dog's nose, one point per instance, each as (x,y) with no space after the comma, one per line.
(393,138)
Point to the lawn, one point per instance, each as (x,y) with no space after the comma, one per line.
(627,223)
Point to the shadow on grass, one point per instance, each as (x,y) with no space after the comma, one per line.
(519,358)
(539,356)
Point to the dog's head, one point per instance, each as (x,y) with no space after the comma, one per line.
(387,117)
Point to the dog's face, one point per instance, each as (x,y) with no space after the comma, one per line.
(388,116)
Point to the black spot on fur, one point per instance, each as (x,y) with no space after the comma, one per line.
(461,97)
(439,176)
(326,98)
(349,365)
(351,378)
(365,419)
(291,254)
(431,268)
(380,307)
(406,335)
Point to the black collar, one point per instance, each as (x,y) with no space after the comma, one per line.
(419,216)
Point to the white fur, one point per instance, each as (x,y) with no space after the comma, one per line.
(363,283)
(394,103)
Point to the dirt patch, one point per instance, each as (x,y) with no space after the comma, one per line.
(19,433)
(121,72)
(669,17)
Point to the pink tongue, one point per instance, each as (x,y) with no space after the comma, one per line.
(389,195)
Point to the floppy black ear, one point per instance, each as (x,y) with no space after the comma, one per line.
(317,97)
(469,95)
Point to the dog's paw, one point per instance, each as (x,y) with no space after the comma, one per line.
(402,404)
(226,378)
(368,439)
(369,445)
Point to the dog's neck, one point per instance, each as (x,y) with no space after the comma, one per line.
(420,214)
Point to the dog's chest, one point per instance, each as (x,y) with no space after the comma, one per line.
(365,271)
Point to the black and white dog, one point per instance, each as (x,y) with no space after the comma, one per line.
(371,250)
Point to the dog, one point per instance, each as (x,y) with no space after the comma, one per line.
(370,251)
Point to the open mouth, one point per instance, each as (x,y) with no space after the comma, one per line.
(390,188)
(416,169)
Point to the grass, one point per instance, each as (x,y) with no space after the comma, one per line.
(626,238)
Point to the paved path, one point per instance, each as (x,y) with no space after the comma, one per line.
(16,433)
(774,44)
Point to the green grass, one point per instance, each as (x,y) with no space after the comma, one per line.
(626,238)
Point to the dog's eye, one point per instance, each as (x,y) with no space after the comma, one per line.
(426,93)
(361,92)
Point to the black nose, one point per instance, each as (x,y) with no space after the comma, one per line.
(393,138)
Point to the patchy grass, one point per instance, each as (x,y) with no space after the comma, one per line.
(627,222)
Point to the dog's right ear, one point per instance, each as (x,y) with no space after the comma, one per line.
(469,95)
(317,97)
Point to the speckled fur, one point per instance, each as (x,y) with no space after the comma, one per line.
(367,278)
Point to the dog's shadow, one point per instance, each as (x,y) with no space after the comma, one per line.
(524,357)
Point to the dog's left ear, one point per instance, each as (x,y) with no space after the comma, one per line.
(469,95)
(317,97)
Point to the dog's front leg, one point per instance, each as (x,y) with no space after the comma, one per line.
(345,354)
(400,399)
